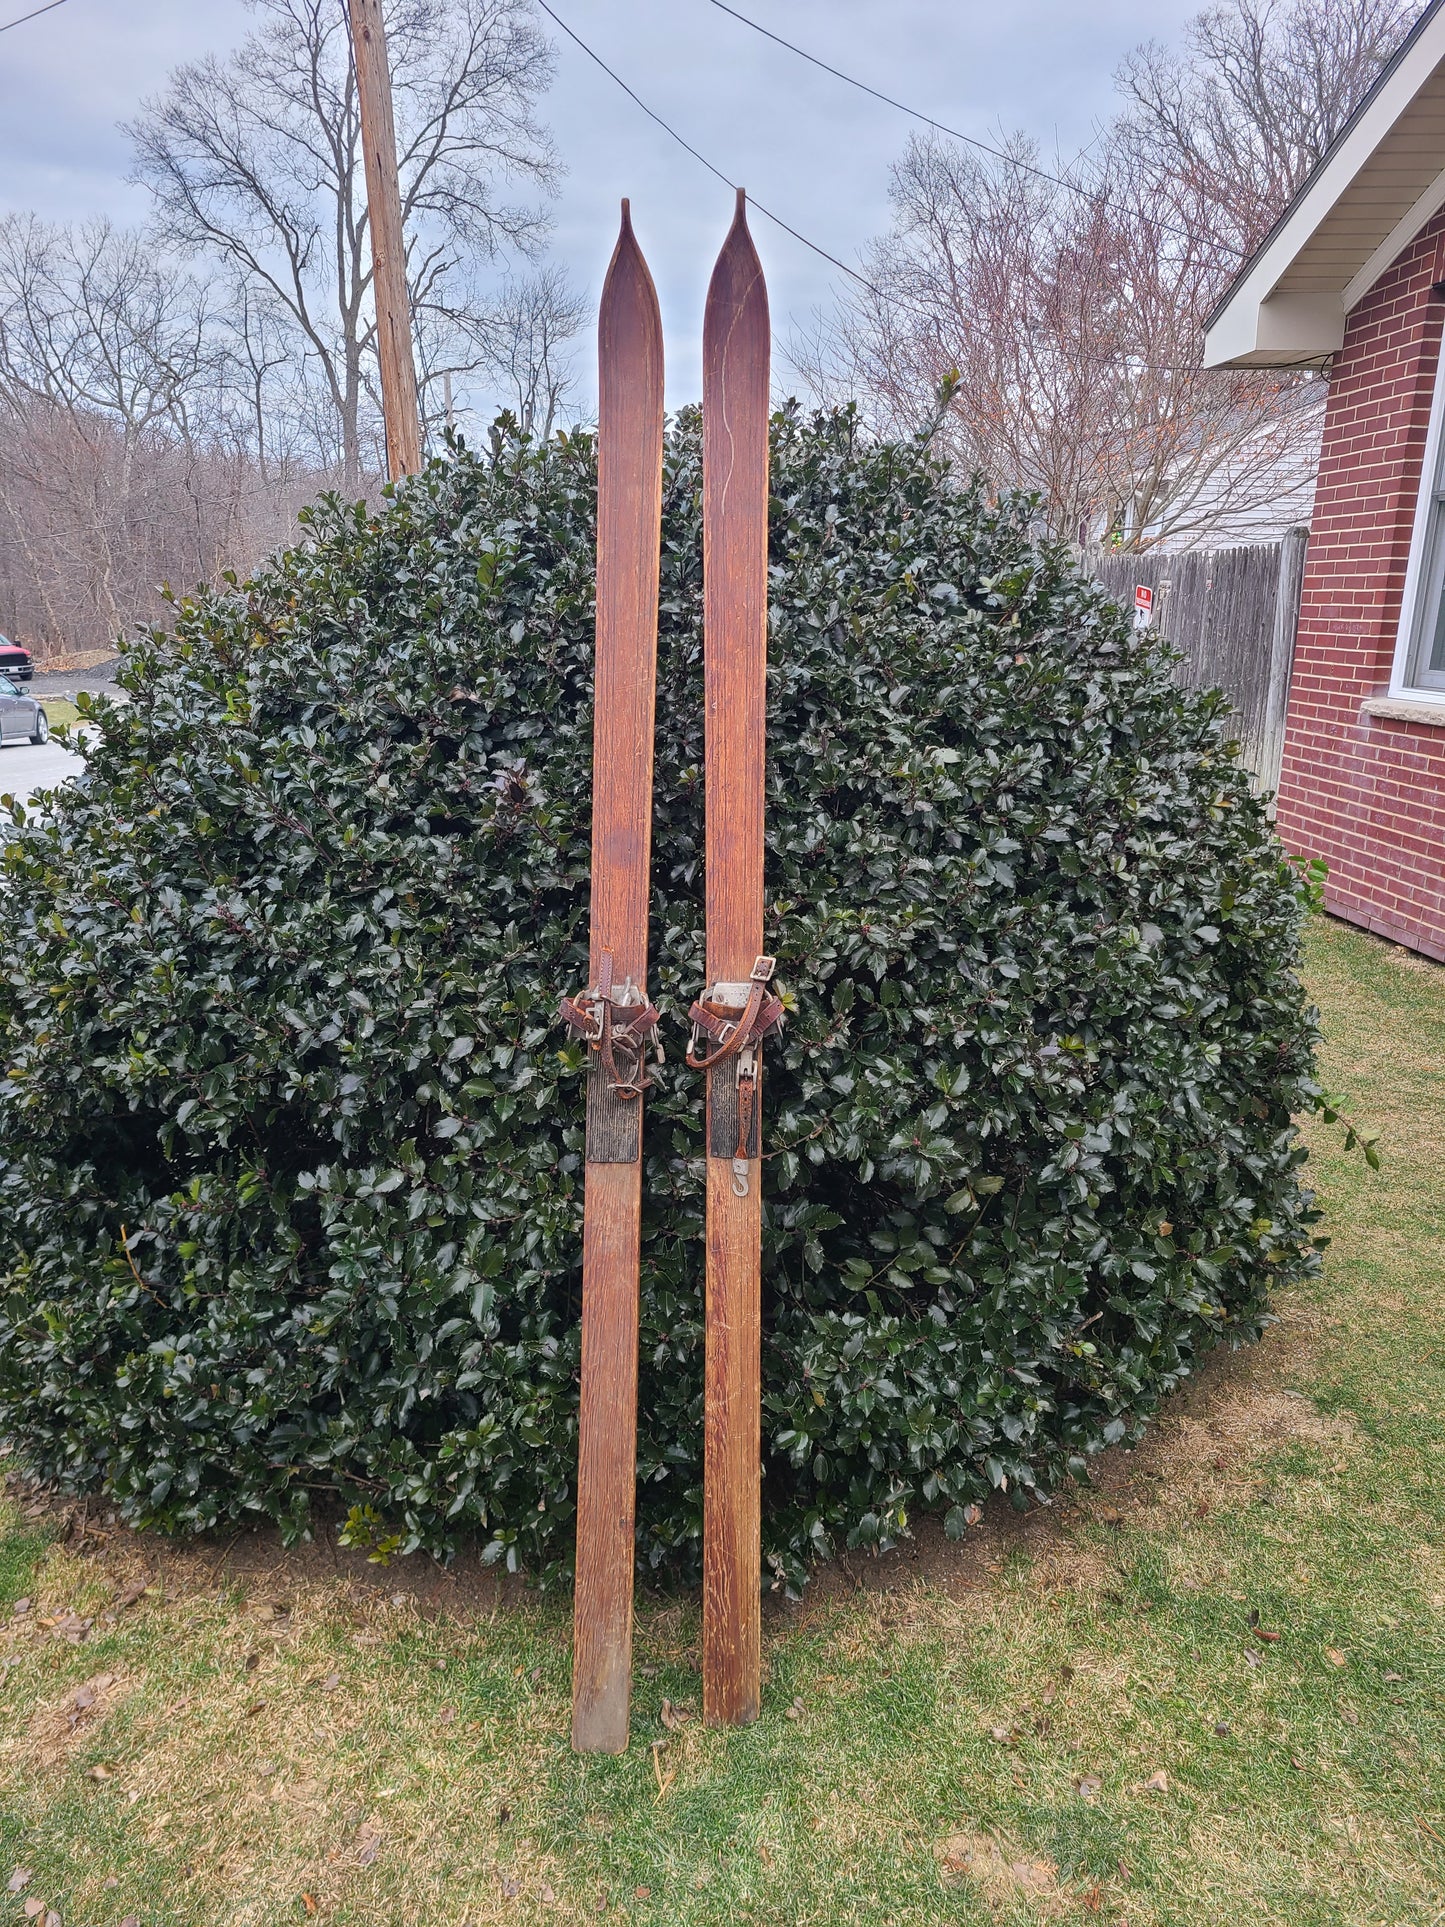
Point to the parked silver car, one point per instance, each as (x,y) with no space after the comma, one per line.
(21,715)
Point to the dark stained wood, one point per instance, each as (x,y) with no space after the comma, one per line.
(735,616)
(388,246)
(614,1124)
(722,1116)
(629,515)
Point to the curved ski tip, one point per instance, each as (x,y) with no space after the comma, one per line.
(628,290)
(738,272)
(627,250)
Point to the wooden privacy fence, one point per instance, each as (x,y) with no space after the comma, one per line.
(1232,614)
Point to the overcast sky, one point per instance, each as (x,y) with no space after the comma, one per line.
(813,149)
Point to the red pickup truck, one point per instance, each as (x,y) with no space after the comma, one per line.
(14,661)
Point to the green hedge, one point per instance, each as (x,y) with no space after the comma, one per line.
(278,996)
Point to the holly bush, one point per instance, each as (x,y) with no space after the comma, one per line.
(293,1143)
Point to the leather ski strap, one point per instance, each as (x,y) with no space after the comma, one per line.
(738,1036)
(617,1025)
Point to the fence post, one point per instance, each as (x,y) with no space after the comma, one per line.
(1281,657)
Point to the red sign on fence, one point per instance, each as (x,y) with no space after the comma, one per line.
(1143,606)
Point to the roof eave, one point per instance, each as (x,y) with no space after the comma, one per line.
(1278,331)
(1252,326)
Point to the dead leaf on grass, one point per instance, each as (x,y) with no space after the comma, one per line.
(674,1717)
(368,1843)
(308,1901)
(1157,1782)
(511,1887)
(56,1729)
(1089,1787)
(20,1880)
(1336,1657)
(1002,1874)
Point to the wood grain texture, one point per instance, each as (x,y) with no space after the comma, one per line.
(399,406)
(736,342)
(732,1442)
(629,512)
(607,1460)
(629,524)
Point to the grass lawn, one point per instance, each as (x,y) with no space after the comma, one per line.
(1213,1690)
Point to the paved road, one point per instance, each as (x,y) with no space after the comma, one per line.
(27,767)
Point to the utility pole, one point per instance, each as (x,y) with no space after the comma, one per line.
(388,247)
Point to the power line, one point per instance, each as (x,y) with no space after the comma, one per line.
(668,128)
(953,133)
(896,299)
(49,8)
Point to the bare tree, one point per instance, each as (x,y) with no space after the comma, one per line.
(1236,118)
(1062,332)
(124,459)
(90,321)
(1064,324)
(524,339)
(254,162)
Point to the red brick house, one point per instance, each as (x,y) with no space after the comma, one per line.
(1352,278)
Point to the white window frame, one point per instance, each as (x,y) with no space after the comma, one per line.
(1426,565)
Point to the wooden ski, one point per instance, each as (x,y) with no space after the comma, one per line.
(738,1009)
(614,1014)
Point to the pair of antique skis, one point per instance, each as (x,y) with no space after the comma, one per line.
(734,1013)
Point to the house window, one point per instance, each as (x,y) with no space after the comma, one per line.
(1425,661)
(1420,657)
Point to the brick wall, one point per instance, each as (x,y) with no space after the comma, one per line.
(1367,793)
